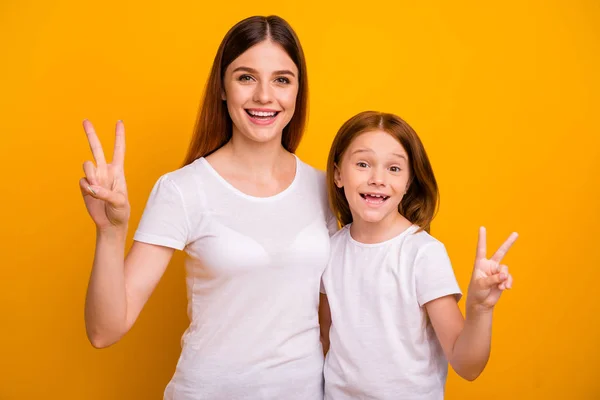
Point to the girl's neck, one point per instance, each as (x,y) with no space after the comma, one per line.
(380,231)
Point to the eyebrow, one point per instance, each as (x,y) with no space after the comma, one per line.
(371,151)
(253,71)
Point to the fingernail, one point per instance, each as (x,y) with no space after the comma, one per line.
(91,190)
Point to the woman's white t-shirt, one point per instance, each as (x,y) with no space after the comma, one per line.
(253,270)
(383,346)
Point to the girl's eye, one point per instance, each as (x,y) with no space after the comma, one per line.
(395,169)
(362,164)
(282,80)
(245,78)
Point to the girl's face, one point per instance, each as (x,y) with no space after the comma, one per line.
(374,173)
(261,87)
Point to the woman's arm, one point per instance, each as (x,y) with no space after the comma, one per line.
(118,289)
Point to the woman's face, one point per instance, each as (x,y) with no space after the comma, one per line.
(261,87)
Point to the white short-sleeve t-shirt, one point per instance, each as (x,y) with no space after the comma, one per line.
(382,345)
(253,270)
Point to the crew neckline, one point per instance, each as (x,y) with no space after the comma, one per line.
(237,191)
(405,232)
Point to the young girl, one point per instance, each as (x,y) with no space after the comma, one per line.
(389,310)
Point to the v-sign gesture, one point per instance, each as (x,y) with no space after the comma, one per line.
(104,189)
(490,278)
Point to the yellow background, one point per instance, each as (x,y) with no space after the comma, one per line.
(505,97)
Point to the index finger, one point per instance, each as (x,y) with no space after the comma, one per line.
(119,152)
(481,244)
(501,252)
(94,142)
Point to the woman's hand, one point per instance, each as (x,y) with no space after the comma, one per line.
(104,189)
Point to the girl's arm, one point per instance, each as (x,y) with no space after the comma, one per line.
(324,321)
(467,342)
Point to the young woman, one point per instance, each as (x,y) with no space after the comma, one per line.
(252,218)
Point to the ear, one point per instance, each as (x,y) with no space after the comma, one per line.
(337,176)
(223,97)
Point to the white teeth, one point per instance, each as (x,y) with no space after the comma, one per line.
(262,113)
(368,196)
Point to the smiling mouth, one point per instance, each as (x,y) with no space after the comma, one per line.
(262,115)
(374,198)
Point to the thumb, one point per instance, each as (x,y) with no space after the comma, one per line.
(100,193)
(493,280)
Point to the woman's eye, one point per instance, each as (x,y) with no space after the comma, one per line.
(245,78)
(282,80)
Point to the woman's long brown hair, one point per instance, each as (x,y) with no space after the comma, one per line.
(214,126)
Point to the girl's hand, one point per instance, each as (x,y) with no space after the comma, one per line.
(104,189)
(490,278)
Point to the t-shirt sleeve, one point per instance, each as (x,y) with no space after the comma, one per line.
(434,275)
(164,221)
(332,222)
(322,289)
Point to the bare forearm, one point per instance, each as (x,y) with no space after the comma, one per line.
(106,300)
(472,348)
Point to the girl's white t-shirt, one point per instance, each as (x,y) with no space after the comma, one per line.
(383,346)
(253,270)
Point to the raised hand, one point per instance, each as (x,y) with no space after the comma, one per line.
(490,278)
(104,189)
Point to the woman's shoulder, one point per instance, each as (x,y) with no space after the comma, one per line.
(187,182)
(313,183)
(185,176)
(310,171)
(312,176)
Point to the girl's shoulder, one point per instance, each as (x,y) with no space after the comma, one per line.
(421,243)
(421,238)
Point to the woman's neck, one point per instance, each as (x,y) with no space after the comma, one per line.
(244,159)
(255,157)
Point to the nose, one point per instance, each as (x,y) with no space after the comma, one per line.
(377,177)
(263,94)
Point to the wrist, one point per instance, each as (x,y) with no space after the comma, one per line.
(476,311)
(112,232)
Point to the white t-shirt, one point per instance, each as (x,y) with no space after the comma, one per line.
(382,344)
(253,270)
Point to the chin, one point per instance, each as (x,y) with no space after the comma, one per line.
(372,218)
(262,135)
